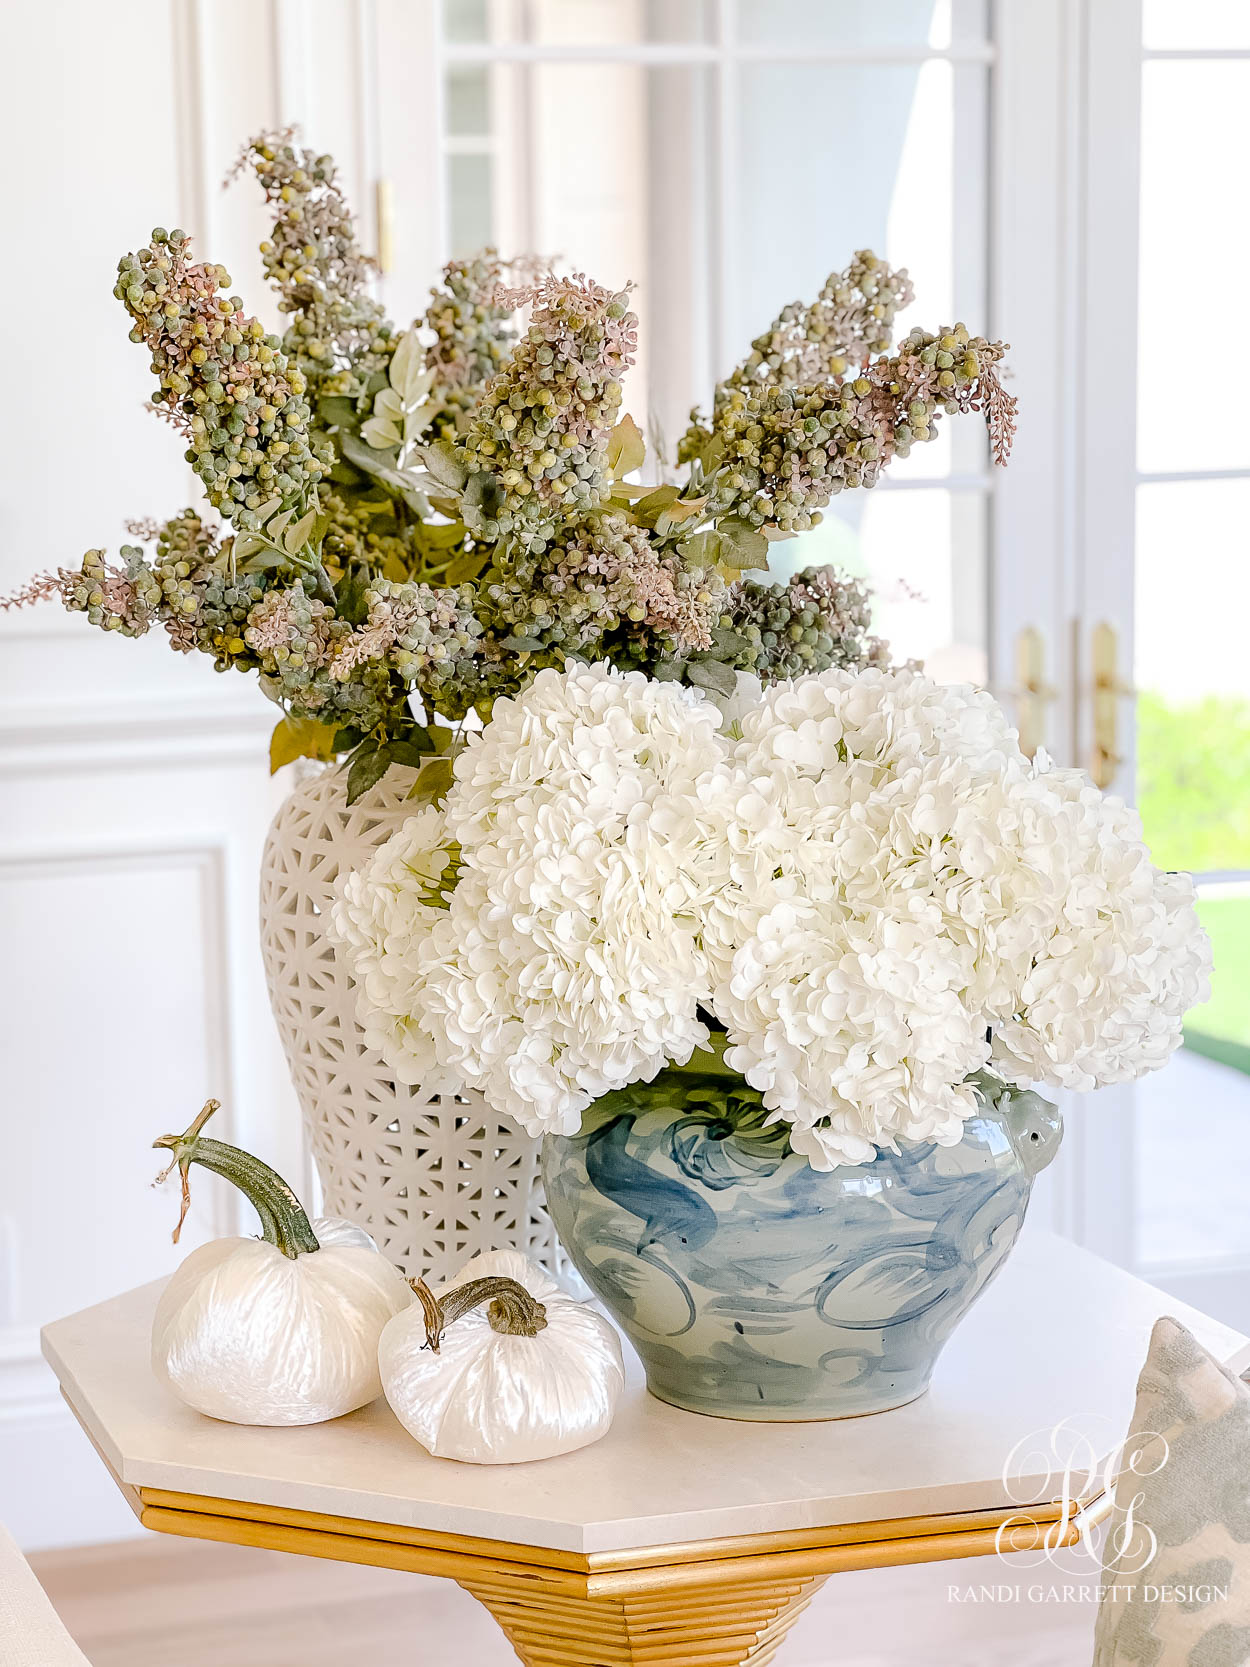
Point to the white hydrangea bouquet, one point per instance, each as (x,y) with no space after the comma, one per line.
(858,880)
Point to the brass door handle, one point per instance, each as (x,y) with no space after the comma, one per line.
(1107,691)
(1032,691)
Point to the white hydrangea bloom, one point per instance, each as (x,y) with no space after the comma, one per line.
(858,875)
(891,880)
(381,916)
(852,1028)
(589,740)
(1106,991)
(887,719)
(568,962)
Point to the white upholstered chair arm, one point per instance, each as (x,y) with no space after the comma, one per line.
(31,1634)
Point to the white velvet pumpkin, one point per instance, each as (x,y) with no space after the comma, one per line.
(249,1335)
(502,1397)
(278,1330)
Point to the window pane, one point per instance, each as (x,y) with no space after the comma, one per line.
(634,195)
(589,22)
(901,206)
(578,22)
(1195,25)
(1201,1100)
(1225,910)
(925,553)
(1193,763)
(1187,1210)
(1195,242)
(465,20)
(1194,694)
(846,22)
(469,189)
(468,102)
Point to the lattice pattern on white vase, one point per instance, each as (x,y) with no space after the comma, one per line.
(434,1179)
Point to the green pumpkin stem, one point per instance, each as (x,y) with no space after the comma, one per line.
(284,1222)
(513,1311)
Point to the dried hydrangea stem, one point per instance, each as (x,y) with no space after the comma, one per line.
(226,382)
(818,619)
(474,324)
(601,583)
(339,333)
(786,451)
(37,589)
(550,560)
(851,318)
(536,450)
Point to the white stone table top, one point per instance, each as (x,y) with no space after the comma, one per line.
(1058,1335)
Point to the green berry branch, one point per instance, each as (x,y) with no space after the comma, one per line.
(411,522)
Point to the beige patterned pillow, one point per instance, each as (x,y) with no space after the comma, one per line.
(1176,1579)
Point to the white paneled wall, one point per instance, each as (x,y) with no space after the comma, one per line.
(134,791)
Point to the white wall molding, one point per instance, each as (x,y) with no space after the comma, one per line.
(28,1389)
(205,855)
(43,738)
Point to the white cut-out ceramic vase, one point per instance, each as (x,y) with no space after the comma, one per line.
(433,1179)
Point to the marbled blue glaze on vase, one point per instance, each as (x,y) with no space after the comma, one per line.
(754,1286)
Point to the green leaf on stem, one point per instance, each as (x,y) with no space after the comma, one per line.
(338,411)
(742,545)
(369,764)
(412,750)
(408,367)
(300,738)
(712,674)
(679,511)
(668,671)
(702,549)
(434,537)
(441,460)
(381,465)
(626,447)
(467,567)
(432,784)
(349,598)
(296,535)
(649,509)
(725,640)
(381,433)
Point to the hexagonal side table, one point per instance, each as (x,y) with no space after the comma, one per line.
(677,1539)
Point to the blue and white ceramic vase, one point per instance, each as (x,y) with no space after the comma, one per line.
(754,1286)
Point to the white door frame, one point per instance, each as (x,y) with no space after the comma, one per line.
(1064,216)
